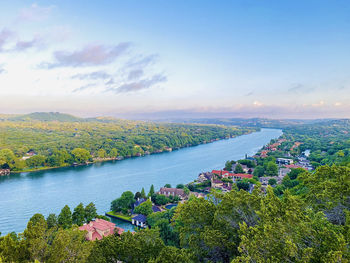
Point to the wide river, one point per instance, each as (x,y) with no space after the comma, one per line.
(23,195)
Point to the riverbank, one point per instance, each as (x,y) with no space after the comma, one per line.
(48,191)
(120,158)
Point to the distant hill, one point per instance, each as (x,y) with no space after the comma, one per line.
(47,116)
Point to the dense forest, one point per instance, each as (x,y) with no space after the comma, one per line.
(42,140)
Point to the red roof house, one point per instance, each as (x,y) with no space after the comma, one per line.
(100,228)
(228,174)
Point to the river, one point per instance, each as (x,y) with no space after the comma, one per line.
(25,194)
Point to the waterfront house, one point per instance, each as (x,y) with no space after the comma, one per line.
(172,191)
(156,209)
(139,220)
(100,228)
(4,172)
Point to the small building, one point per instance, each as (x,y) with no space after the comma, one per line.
(284,161)
(4,172)
(100,228)
(139,220)
(156,209)
(216,183)
(172,191)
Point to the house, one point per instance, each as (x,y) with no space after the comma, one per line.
(100,228)
(242,176)
(156,209)
(282,172)
(139,220)
(202,177)
(4,172)
(283,161)
(172,191)
(216,183)
(294,166)
(139,201)
(231,175)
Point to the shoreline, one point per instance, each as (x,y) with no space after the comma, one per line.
(122,158)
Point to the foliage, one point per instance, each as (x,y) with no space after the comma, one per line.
(65,217)
(144,208)
(124,202)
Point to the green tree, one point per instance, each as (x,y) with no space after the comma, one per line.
(171,254)
(124,202)
(228,166)
(145,208)
(101,153)
(238,169)
(151,191)
(52,221)
(259,171)
(271,169)
(35,239)
(272,181)
(81,155)
(180,186)
(90,212)
(69,246)
(167,185)
(113,153)
(244,185)
(143,194)
(65,217)
(78,216)
(36,161)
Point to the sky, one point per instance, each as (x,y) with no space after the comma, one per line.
(170,59)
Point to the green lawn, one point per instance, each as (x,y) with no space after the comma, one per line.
(121,216)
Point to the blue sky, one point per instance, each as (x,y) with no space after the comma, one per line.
(278,59)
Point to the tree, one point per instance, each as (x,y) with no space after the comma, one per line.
(69,246)
(90,212)
(238,169)
(167,185)
(124,202)
(34,242)
(65,217)
(81,155)
(113,153)
(272,181)
(171,254)
(259,171)
(145,208)
(293,174)
(143,194)
(281,232)
(101,153)
(151,191)
(180,186)
(243,185)
(160,199)
(186,191)
(36,161)
(228,166)
(271,169)
(79,215)
(51,221)
(137,195)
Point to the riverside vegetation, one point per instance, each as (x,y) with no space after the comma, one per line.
(43,140)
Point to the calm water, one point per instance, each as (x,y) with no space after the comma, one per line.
(46,192)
